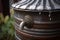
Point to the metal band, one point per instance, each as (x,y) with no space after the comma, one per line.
(39,32)
(18,37)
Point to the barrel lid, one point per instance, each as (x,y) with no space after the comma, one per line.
(37,5)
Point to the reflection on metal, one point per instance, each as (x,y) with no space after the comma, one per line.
(37,5)
(39,13)
(50,15)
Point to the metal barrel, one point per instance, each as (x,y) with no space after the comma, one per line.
(37,19)
(42,29)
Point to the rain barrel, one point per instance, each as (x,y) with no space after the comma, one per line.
(37,19)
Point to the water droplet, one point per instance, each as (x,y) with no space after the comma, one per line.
(39,13)
(50,19)
(49,15)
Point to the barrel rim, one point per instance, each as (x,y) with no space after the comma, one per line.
(53,10)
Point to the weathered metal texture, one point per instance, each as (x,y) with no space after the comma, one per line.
(43,28)
(39,24)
